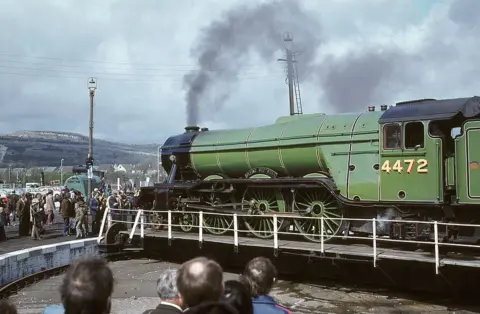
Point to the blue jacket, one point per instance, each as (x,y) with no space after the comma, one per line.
(93,205)
(265,304)
(54,309)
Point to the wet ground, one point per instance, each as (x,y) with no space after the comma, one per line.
(135,293)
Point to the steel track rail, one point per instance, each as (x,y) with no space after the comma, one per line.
(15,286)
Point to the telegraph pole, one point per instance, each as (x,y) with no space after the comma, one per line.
(92,86)
(292,77)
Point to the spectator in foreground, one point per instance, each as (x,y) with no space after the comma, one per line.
(236,295)
(170,301)
(200,285)
(87,287)
(259,277)
(7,307)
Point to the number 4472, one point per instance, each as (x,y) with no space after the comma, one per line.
(409,164)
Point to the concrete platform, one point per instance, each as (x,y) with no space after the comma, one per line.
(347,251)
(53,234)
(136,280)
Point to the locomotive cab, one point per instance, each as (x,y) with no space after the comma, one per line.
(428,152)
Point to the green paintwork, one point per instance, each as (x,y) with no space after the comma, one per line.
(298,146)
(467,150)
(417,186)
(450,172)
(80,183)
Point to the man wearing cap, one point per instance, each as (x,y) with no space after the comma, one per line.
(35,218)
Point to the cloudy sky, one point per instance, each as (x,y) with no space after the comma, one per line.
(152,57)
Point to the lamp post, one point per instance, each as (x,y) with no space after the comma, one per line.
(92,86)
(158,163)
(61,172)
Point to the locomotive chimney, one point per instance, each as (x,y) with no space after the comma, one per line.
(192,128)
(383,107)
(371,108)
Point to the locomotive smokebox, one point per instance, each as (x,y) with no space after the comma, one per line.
(192,128)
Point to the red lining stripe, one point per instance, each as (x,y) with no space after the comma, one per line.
(284,308)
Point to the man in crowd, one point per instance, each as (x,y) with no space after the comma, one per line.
(170,301)
(49,206)
(65,211)
(87,287)
(94,207)
(113,203)
(23,212)
(259,277)
(200,280)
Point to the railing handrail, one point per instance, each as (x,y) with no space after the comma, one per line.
(140,221)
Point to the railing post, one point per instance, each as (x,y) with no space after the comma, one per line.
(109,217)
(437,257)
(235,232)
(142,221)
(169,227)
(200,228)
(374,236)
(135,224)
(102,226)
(322,230)
(275,235)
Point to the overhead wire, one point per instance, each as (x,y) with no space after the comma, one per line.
(155,72)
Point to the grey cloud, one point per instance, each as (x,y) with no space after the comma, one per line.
(225,45)
(465,13)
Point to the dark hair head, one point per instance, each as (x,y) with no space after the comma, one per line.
(200,280)
(259,276)
(87,287)
(237,295)
(7,307)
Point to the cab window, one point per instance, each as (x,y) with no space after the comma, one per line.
(414,135)
(392,136)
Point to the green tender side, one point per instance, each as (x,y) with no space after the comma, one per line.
(297,146)
(467,153)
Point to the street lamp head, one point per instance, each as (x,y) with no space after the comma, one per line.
(92,84)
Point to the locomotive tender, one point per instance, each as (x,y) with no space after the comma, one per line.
(415,161)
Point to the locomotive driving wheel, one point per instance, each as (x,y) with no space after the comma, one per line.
(218,224)
(188,222)
(262,201)
(316,204)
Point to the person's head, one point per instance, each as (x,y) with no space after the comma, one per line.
(87,287)
(7,307)
(237,295)
(200,280)
(259,276)
(167,287)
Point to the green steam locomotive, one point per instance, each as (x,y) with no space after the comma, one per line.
(415,161)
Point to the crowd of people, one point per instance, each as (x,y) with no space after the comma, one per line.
(34,213)
(197,287)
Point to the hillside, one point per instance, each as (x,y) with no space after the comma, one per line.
(42,148)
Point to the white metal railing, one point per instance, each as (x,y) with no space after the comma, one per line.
(140,214)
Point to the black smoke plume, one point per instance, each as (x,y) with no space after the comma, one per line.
(224,48)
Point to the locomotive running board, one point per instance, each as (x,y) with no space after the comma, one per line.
(217,209)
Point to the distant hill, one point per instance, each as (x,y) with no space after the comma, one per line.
(44,148)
